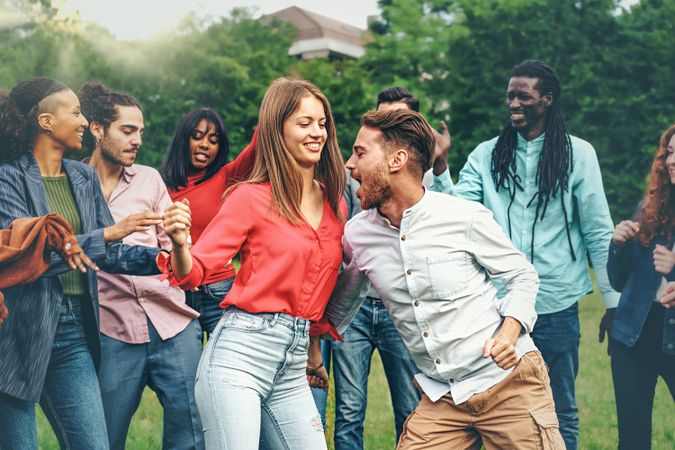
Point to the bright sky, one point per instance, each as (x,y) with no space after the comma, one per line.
(133,19)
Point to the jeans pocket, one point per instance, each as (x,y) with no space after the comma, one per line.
(549,430)
(218,290)
(244,321)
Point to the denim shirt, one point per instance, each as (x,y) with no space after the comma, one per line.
(560,246)
(631,272)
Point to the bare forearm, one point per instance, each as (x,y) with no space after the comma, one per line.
(181,260)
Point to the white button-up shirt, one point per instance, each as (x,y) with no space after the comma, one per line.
(433,275)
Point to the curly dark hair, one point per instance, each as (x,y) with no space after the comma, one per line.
(19,111)
(657,214)
(99,104)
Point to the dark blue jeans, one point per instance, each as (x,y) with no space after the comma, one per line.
(168,367)
(206,301)
(70,399)
(371,329)
(557,335)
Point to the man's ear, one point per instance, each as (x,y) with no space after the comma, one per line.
(96,130)
(398,160)
(548,100)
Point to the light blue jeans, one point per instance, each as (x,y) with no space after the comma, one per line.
(251,380)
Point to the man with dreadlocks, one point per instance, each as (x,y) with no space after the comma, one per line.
(545,189)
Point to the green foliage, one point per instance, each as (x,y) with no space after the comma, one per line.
(616,67)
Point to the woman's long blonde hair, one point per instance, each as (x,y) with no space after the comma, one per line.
(274,161)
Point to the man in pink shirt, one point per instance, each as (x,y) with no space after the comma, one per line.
(149,336)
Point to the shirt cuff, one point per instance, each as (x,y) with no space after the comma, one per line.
(521,311)
(323,327)
(188,282)
(443,183)
(611,299)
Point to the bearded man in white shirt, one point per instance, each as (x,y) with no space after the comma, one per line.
(431,258)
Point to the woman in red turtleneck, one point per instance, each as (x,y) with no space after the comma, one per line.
(196,169)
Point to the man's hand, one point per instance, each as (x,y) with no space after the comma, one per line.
(177,222)
(441,150)
(502,347)
(664,260)
(317,375)
(135,222)
(625,231)
(606,325)
(668,297)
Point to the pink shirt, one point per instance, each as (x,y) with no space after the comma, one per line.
(127,301)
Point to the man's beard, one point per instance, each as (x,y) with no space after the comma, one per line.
(379,191)
(112,158)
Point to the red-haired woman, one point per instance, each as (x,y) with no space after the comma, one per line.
(642,337)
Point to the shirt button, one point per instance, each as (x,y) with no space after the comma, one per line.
(141,299)
(438,361)
(452,380)
(417,303)
(409,271)
(425,334)
(403,237)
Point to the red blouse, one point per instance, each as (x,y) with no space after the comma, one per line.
(285,267)
(207,197)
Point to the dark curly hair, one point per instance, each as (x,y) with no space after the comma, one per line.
(657,214)
(99,104)
(19,111)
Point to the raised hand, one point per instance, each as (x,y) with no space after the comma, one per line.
(625,231)
(177,222)
(664,260)
(441,150)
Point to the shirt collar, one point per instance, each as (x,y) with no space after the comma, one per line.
(129,172)
(538,140)
(407,212)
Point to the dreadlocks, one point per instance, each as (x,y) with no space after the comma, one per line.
(555,160)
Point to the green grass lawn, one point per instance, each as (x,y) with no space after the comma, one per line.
(594,393)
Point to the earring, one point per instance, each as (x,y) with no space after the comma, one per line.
(98,141)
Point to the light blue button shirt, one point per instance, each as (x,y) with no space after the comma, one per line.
(563,280)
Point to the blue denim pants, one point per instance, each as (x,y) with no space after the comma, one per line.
(371,329)
(557,336)
(206,301)
(321,396)
(252,380)
(70,399)
(169,368)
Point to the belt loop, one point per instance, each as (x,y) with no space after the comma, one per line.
(274,320)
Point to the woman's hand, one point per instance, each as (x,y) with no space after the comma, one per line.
(668,297)
(317,375)
(625,231)
(135,222)
(664,260)
(75,257)
(177,222)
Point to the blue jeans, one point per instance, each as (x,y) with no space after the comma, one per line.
(371,329)
(169,368)
(70,399)
(557,335)
(206,301)
(251,380)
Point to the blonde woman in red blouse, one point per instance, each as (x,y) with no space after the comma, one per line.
(286,222)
